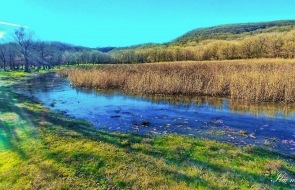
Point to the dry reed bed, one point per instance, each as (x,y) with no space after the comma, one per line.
(251,80)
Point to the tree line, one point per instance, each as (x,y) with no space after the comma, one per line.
(23,52)
(265,45)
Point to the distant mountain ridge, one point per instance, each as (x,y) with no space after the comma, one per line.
(232,31)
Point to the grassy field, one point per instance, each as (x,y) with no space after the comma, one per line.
(251,80)
(42,149)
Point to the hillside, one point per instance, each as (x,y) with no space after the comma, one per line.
(233,41)
(221,32)
(233,31)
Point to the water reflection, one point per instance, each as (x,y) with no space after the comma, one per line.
(268,109)
(235,121)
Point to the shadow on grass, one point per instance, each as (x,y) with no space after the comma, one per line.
(9,130)
(82,130)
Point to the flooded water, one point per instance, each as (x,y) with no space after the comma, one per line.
(271,125)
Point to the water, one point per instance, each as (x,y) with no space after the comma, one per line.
(271,125)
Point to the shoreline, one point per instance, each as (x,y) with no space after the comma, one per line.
(45,149)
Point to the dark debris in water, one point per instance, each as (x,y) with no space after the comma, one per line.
(117,112)
(115,116)
(145,123)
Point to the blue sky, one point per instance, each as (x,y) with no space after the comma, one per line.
(99,23)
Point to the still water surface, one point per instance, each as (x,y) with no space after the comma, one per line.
(271,125)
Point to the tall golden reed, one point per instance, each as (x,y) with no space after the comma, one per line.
(251,80)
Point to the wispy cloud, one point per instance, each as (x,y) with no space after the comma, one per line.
(11,24)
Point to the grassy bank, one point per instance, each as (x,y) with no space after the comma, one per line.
(251,80)
(41,149)
(10,77)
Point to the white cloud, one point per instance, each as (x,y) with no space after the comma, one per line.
(10,24)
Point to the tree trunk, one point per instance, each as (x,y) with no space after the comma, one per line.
(4,65)
(26,64)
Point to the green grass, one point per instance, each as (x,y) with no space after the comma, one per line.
(41,149)
(10,77)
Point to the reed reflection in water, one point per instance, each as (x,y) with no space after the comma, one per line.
(223,119)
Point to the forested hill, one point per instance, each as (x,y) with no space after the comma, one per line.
(233,41)
(233,31)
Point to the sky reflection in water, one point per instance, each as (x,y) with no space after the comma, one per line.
(266,124)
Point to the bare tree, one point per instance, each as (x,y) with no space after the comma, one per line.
(12,54)
(3,55)
(67,57)
(44,52)
(24,41)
